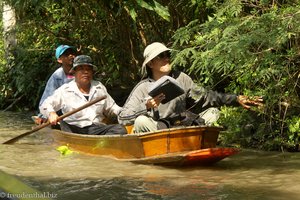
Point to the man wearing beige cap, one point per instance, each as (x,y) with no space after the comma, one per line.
(146,113)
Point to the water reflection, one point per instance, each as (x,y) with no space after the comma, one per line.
(247,175)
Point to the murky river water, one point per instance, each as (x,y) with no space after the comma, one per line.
(248,175)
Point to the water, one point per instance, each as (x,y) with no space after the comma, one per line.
(248,175)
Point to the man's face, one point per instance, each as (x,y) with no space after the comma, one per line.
(83,74)
(66,59)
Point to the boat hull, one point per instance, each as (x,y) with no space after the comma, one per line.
(179,140)
(175,146)
(126,146)
(201,157)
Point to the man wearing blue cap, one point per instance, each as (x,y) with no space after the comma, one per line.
(65,55)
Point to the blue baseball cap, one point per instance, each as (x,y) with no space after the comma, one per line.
(61,49)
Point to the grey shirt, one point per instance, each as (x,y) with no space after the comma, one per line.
(193,96)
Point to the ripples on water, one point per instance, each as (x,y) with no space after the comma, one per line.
(247,175)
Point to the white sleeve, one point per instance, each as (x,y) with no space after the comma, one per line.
(52,103)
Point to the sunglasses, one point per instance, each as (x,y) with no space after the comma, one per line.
(165,54)
(69,52)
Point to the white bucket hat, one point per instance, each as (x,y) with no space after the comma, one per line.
(151,51)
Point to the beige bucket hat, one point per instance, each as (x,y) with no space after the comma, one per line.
(151,51)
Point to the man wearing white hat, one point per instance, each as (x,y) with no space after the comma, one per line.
(141,110)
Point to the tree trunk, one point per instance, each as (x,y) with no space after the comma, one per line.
(9,31)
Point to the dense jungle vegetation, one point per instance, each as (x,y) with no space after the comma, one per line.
(246,47)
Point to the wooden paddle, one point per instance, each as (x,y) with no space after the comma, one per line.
(13,140)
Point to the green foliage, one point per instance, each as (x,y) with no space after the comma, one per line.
(293,130)
(155,6)
(113,33)
(251,49)
(27,75)
(5,89)
(294,125)
(242,127)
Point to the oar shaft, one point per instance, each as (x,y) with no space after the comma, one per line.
(80,108)
(13,140)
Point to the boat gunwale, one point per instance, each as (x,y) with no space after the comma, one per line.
(182,128)
(93,136)
(169,130)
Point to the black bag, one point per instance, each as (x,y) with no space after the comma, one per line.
(186,118)
(192,119)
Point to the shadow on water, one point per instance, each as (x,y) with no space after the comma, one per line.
(247,175)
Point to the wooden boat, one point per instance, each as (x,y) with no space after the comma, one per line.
(175,146)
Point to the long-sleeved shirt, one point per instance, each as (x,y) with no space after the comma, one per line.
(193,96)
(68,97)
(57,79)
